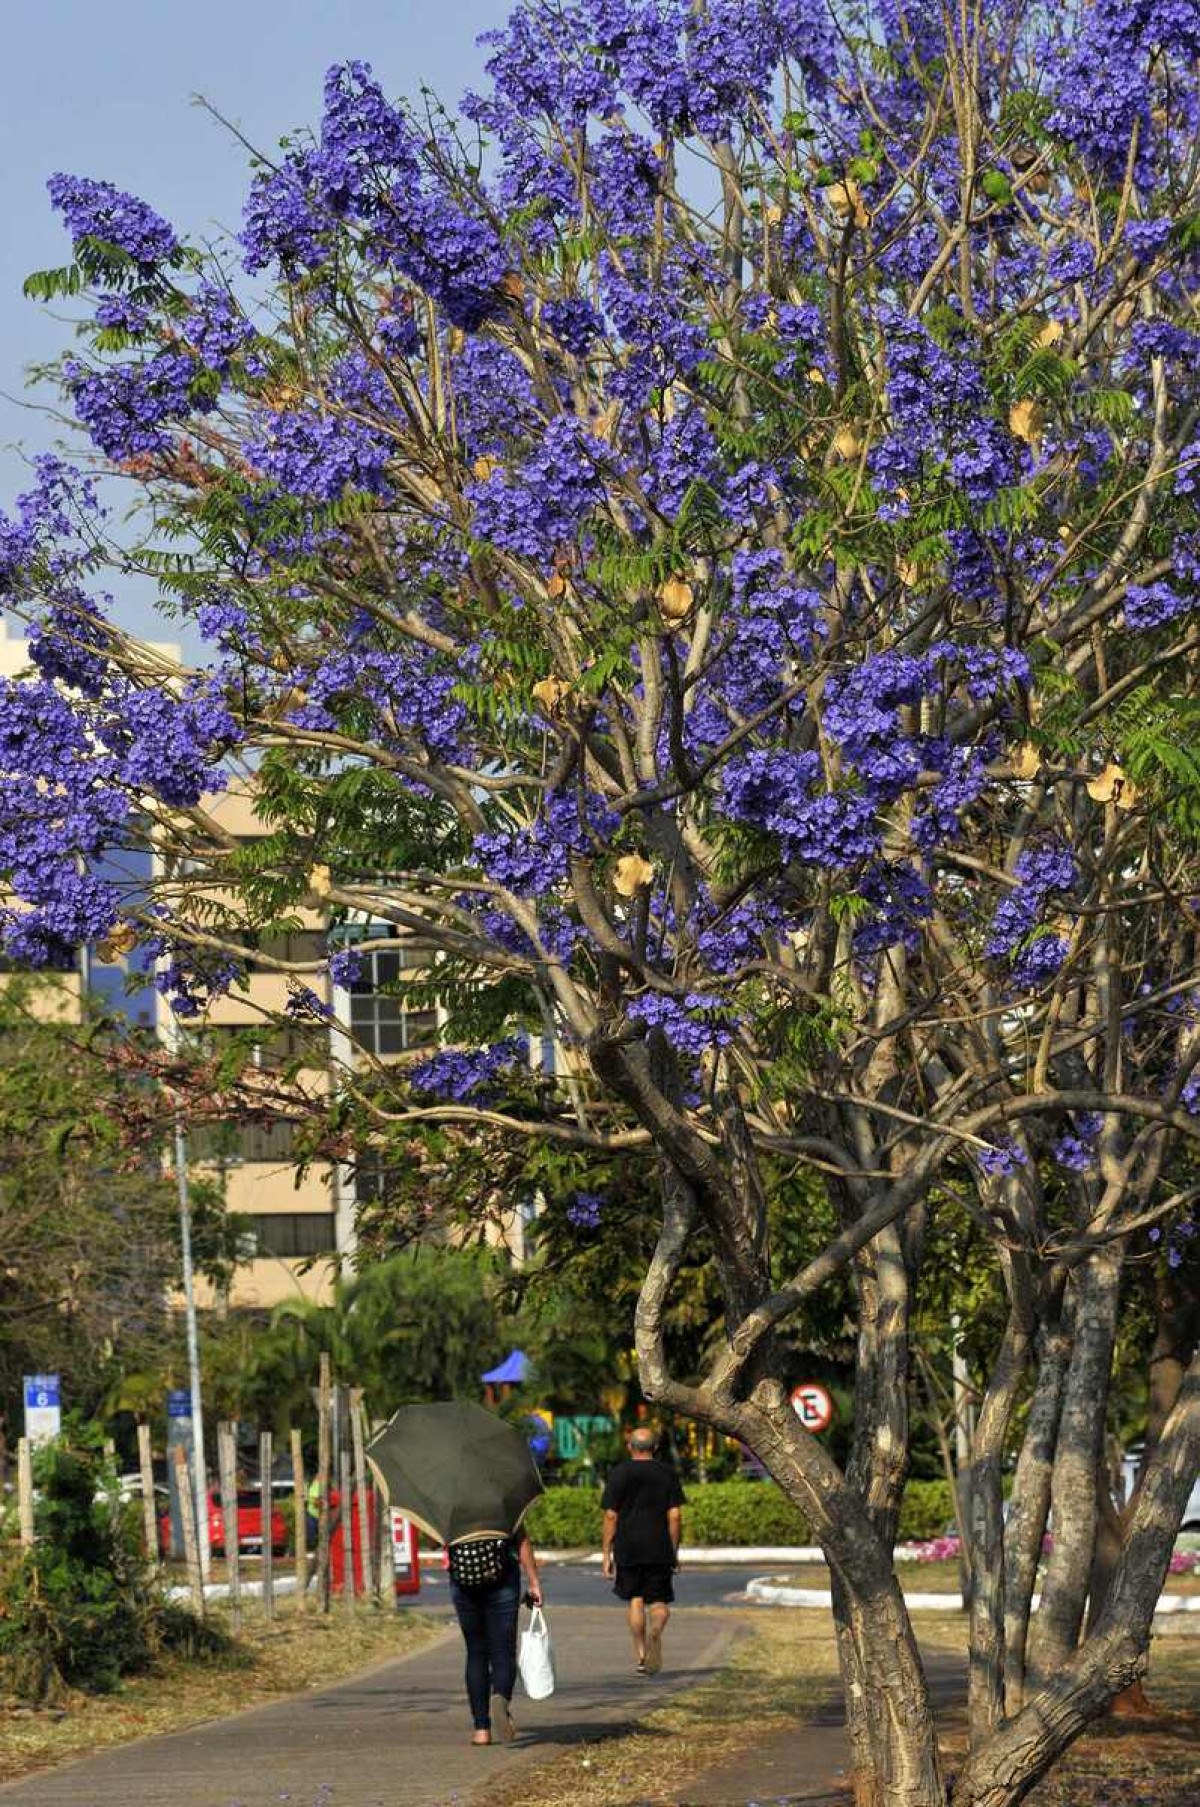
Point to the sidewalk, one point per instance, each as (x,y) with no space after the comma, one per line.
(810,1764)
(397,1736)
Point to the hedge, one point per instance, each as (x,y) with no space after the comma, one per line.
(725,1512)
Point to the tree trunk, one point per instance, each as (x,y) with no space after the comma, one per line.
(876,1470)
(985,1688)
(889,1717)
(1004,1770)
(1073,1483)
(1029,1509)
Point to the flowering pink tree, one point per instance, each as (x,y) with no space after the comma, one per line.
(706,542)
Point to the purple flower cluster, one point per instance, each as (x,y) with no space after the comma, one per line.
(769,790)
(409,690)
(127,407)
(98,210)
(461,1077)
(534,513)
(318,457)
(532,861)
(585,1210)
(1039,872)
(900,901)
(216,329)
(692,1025)
(1105,88)
(1152,605)
(1001,1159)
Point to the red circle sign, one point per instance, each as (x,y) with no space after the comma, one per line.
(812,1405)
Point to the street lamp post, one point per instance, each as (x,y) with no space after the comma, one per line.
(199,1471)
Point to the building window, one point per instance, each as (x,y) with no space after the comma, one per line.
(376,1177)
(299,945)
(230,1143)
(292,1234)
(273,1045)
(379,1022)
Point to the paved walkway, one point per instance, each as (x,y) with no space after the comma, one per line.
(397,1736)
(809,1766)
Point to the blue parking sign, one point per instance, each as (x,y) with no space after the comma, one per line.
(43,1407)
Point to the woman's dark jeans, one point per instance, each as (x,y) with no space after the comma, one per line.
(488,1616)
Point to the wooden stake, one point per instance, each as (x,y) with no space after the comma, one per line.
(25,1492)
(301,1518)
(381,1544)
(362,1494)
(267,1496)
(227,1464)
(345,1489)
(187,1512)
(149,1516)
(324,1407)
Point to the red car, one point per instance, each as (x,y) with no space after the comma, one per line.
(249,1525)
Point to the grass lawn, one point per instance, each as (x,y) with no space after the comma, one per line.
(296,1651)
(786,1668)
(1126,1762)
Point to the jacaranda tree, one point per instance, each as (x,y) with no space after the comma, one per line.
(705,540)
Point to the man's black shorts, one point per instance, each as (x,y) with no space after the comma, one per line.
(648,1581)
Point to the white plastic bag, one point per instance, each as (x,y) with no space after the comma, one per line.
(535,1657)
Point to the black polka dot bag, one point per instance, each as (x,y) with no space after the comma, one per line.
(477,1562)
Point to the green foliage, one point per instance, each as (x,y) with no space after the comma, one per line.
(741,1514)
(80,1146)
(421,1325)
(80,1609)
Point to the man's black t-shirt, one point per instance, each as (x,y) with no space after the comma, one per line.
(641,1494)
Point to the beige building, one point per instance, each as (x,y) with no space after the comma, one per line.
(298,1228)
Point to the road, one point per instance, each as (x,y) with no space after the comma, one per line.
(582,1584)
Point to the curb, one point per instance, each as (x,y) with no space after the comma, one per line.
(219,1590)
(765,1592)
(693,1555)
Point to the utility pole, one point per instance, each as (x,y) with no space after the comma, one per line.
(199,1471)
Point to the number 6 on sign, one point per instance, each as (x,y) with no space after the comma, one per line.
(812,1405)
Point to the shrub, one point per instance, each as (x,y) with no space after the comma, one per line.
(741,1513)
(80,1609)
(737,1513)
(926,1511)
(565,1518)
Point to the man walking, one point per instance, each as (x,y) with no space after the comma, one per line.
(642,1526)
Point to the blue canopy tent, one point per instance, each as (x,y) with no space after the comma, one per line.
(512,1372)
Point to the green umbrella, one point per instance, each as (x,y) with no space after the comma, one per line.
(455,1470)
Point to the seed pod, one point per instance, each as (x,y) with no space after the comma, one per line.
(1027,421)
(631,874)
(320,881)
(846,200)
(512,284)
(1049,334)
(675,600)
(123,939)
(1027,761)
(483,468)
(550,693)
(848,442)
(1112,786)
(556,584)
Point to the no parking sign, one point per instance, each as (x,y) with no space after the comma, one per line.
(812,1405)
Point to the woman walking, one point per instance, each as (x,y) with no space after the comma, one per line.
(485,1586)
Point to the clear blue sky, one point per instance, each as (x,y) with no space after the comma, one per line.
(106,91)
